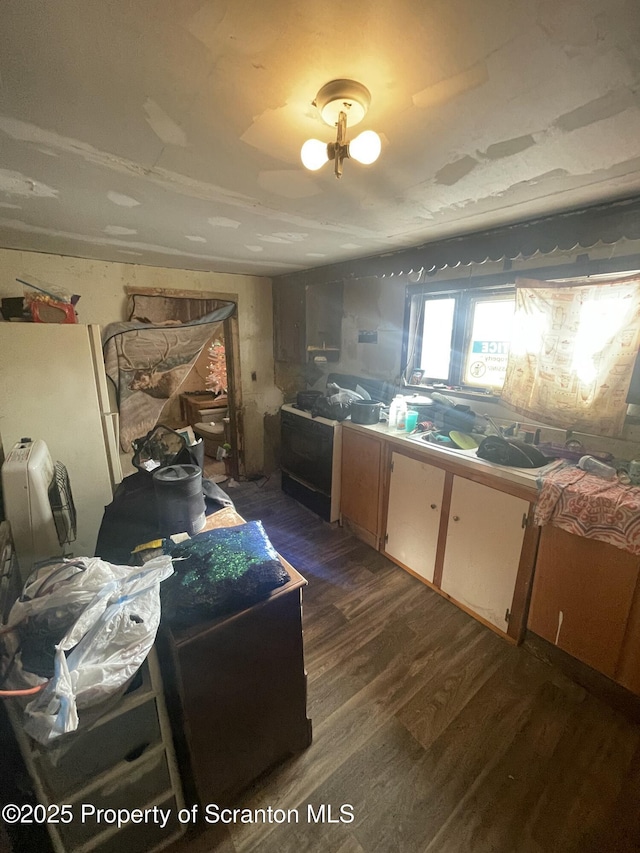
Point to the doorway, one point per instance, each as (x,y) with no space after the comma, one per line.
(202,404)
(208,399)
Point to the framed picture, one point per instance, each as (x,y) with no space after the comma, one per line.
(416,377)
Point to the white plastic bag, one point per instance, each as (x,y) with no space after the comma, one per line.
(341,395)
(119,614)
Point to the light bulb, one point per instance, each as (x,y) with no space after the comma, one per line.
(314,154)
(365,148)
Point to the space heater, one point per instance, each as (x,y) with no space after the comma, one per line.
(38,504)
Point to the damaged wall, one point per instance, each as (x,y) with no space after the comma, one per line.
(377,305)
(101,286)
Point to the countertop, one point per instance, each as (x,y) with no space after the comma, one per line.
(465,460)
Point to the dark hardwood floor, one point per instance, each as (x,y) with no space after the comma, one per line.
(440,735)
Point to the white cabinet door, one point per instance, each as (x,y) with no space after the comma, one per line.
(484,541)
(413,517)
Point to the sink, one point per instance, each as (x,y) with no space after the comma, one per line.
(418,439)
(530,473)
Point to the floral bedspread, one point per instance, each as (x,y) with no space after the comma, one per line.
(586,505)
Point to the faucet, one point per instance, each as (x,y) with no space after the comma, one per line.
(496,428)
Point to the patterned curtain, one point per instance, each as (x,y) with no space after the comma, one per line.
(573,348)
(148,365)
(149,357)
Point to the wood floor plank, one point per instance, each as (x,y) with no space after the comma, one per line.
(442,736)
(392,764)
(340,683)
(492,815)
(341,645)
(349,728)
(350,845)
(432,709)
(589,767)
(318,631)
(622,834)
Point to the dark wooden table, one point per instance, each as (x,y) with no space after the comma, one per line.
(237,689)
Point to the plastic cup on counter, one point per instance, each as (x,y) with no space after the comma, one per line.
(411,420)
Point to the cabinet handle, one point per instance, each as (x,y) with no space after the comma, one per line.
(433,506)
(456,518)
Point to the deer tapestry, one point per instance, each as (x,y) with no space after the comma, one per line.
(147,365)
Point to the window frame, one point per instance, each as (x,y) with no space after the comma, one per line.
(580,267)
(475,297)
(465,299)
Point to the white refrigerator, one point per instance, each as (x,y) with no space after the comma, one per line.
(53,387)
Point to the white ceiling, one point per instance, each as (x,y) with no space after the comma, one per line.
(168,132)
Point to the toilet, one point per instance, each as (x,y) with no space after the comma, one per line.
(213,430)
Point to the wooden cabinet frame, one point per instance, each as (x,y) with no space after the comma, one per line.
(524,576)
(363,485)
(586,603)
(624,672)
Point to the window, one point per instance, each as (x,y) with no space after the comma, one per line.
(487,346)
(437,331)
(462,337)
(560,350)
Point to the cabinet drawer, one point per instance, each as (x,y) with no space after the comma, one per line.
(90,753)
(141,837)
(135,784)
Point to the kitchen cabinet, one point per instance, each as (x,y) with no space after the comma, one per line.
(361,485)
(472,542)
(485,534)
(241,691)
(585,600)
(289,326)
(463,527)
(414,514)
(307,321)
(324,309)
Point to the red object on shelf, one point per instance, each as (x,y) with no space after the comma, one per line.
(45,311)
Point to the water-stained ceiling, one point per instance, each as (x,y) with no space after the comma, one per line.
(168,133)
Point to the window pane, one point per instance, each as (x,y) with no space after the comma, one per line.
(488,350)
(436,338)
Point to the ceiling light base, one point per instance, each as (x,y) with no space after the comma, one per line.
(343,96)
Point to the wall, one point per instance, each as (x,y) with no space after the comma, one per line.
(101,286)
(369,304)
(372,304)
(379,304)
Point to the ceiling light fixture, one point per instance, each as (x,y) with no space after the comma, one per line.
(338,102)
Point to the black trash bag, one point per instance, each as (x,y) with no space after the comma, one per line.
(131,519)
(324,408)
(510,451)
(218,572)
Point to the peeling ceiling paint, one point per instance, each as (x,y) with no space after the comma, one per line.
(122,200)
(119,230)
(163,126)
(13,183)
(170,133)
